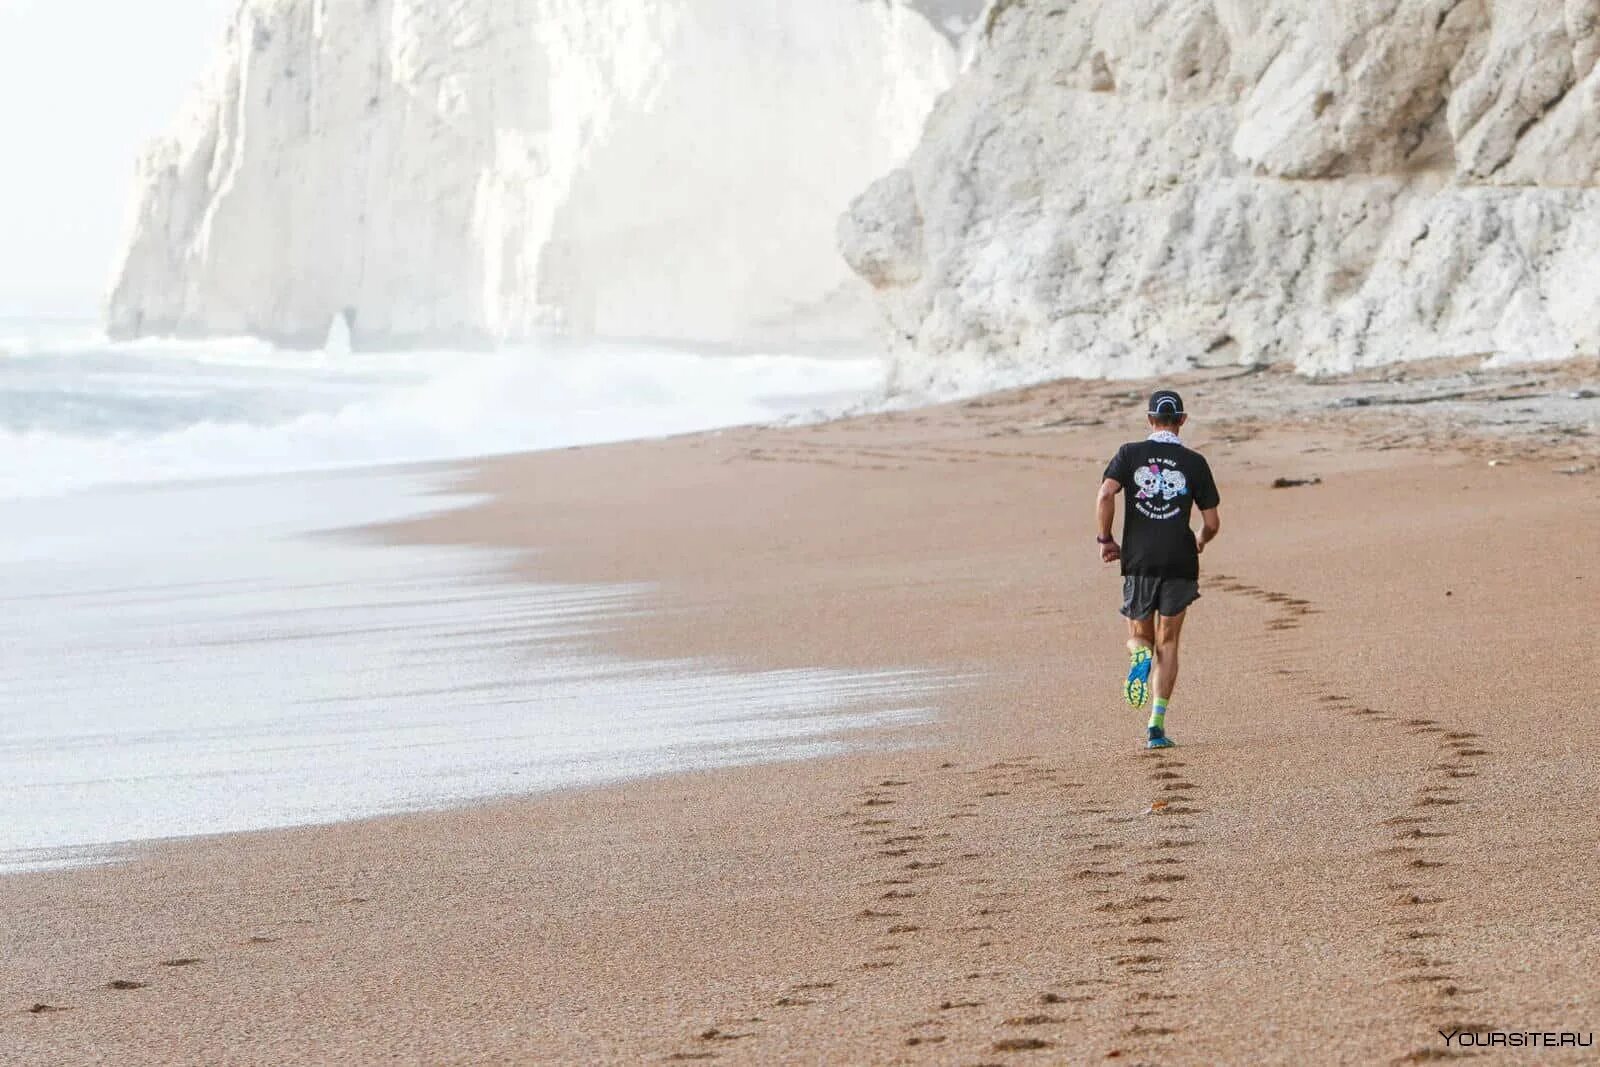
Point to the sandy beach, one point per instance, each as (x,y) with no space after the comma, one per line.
(1379,823)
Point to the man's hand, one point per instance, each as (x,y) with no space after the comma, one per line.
(1110,552)
(1199,544)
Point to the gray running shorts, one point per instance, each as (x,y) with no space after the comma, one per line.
(1143,596)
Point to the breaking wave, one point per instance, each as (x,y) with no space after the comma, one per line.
(77,411)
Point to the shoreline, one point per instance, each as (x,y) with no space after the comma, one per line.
(259,663)
(997,894)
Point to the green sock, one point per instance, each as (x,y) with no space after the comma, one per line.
(1158,715)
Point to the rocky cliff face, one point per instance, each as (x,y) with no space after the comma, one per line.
(486,170)
(1125,187)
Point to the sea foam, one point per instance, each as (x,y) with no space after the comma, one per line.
(77,411)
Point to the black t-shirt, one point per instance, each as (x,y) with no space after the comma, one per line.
(1162,484)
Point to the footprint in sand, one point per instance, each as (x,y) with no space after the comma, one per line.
(46,1009)
(1133,961)
(714,1034)
(1143,901)
(1021,1044)
(1433,1055)
(126,984)
(1397,850)
(1467,1028)
(183,961)
(1424,979)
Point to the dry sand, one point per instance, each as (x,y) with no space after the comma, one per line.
(1380,821)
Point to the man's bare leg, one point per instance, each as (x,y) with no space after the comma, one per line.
(1142,632)
(1168,630)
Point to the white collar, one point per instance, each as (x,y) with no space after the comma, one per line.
(1166,437)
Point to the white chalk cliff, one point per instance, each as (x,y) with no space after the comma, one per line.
(480,171)
(1124,187)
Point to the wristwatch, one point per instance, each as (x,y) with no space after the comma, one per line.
(1105,540)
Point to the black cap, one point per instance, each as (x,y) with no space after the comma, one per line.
(1166,402)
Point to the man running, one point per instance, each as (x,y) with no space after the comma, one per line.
(1163,482)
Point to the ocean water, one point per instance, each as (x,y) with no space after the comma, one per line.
(77,411)
(194,640)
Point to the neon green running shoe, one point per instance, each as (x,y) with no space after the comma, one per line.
(1137,688)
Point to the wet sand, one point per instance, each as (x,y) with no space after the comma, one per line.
(1379,822)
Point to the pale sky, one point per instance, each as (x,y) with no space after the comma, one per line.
(83,85)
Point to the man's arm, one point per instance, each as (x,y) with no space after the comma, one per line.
(1206,498)
(1211,525)
(1105,513)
